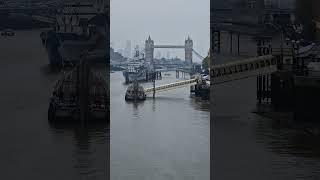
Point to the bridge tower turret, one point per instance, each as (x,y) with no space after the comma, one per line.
(149,49)
(188,50)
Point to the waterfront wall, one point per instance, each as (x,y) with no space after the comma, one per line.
(316,11)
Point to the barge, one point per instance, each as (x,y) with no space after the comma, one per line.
(65,103)
(135,92)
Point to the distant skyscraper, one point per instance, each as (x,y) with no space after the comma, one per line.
(120,51)
(158,55)
(168,54)
(127,50)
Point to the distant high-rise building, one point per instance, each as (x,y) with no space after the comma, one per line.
(127,50)
(120,51)
(168,54)
(158,56)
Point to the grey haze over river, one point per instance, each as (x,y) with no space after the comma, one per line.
(31,148)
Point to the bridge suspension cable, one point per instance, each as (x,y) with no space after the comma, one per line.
(197,54)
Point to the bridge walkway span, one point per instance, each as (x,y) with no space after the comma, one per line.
(228,72)
(171,86)
(243,69)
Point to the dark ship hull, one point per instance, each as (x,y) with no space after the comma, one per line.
(67,103)
(67,51)
(51,43)
(135,92)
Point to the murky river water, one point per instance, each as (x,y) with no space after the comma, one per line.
(31,148)
(162,138)
(248,146)
(165,138)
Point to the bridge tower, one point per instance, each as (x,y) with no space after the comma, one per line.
(149,49)
(188,50)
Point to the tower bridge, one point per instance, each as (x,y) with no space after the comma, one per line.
(188,48)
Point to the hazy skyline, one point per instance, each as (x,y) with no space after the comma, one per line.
(166,21)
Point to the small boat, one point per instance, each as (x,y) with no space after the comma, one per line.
(7,32)
(135,92)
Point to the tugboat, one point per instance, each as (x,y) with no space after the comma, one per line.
(135,92)
(65,101)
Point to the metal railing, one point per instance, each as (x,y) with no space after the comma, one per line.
(170,86)
(243,69)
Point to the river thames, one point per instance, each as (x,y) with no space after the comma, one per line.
(248,146)
(31,148)
(163,138)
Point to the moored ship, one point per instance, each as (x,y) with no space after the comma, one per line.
(80,27)
(138,69)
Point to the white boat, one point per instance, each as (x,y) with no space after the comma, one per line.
(137,69)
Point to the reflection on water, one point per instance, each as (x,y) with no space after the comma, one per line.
(292,138)
(33,148)
(249,146)
(162,138)
(84,139)
(255,147)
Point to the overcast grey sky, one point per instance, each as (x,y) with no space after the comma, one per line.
(166,21)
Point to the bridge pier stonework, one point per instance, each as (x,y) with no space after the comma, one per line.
(188,50)
(149,50)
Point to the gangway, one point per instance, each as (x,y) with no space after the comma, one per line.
(171,86)
(228,72)
(243,69)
